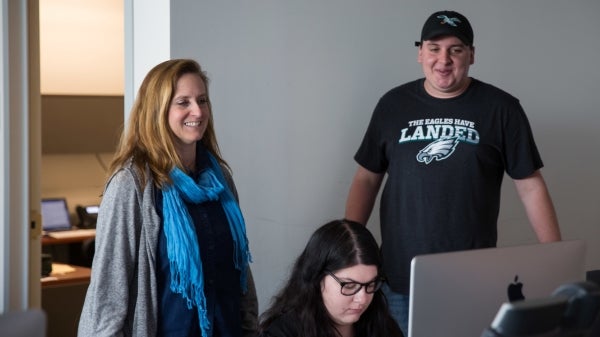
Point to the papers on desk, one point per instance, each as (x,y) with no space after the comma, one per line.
(72,233)
(61,269)
(58,269)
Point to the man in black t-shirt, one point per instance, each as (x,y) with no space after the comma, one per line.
(445,142)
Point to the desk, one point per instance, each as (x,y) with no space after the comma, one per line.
(78,275)
(72,236)
(62,299)
(73,247)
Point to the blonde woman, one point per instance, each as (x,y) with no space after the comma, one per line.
(172,256)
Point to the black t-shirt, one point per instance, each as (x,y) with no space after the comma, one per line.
(445,160)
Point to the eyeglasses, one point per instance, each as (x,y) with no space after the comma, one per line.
(351,288)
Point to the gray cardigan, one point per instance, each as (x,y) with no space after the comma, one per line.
(122,298)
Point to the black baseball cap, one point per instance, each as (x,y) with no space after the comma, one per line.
(447,23)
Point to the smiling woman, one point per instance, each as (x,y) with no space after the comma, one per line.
(169,227)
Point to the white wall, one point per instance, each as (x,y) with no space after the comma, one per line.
(83,48)
(147,42)
(294,84)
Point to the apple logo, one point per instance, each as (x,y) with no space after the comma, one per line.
(515,290)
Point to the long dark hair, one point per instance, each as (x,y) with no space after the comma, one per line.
(336,245)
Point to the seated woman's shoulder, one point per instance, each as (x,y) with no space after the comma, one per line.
(283,326)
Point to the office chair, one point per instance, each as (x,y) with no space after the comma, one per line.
(573,310)
(28,323)
(583,311)
(529,318)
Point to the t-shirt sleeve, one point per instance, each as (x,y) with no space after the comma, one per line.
(521,153)
(371,153)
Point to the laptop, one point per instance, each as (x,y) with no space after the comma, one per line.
(55,215)
(459,293)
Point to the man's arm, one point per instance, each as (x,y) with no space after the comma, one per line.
(538,206)
(362,195)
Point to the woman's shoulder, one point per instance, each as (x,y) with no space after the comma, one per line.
(126,183)
(125,176)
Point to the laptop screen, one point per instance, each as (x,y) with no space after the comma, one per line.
(459,293)
(55,215)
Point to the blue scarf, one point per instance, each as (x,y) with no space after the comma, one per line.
(182,243)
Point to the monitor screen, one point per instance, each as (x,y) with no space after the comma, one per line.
(55,214)
(92,209)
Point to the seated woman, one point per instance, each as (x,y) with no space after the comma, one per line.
(333,289)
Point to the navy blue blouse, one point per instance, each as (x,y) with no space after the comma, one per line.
(221,279)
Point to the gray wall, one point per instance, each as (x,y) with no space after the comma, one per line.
(294,84)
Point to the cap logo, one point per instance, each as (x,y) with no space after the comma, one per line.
(450,21)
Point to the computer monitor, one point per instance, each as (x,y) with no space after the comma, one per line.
(462,291)
(55,215)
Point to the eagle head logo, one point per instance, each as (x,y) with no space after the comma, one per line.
(437,150)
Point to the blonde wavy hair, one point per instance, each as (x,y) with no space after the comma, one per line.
(147,139)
